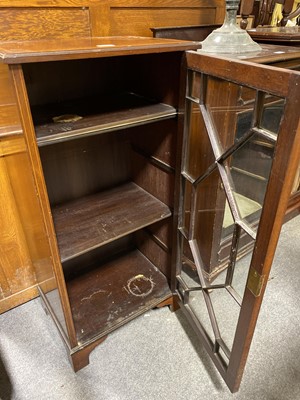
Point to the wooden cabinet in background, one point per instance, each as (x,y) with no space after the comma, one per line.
(23,241)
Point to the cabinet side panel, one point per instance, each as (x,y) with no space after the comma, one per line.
(9,117)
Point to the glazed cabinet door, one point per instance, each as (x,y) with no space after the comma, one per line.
(241,150)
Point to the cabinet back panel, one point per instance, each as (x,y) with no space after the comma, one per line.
(85,166)
(157,140)
(86,262)
(153,179)
(155,253)
(52,82)
(156,76)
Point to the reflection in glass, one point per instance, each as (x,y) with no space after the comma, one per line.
(241,268)
(272,112)
(209,191)
(220,322)
(248,173)
(231,114)
(197,143)
(194,84)
(227,312)
(53,298)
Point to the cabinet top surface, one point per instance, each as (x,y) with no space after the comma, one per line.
(16,52)
(290,33)
(269,53)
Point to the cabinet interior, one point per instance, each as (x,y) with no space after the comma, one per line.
(106,132)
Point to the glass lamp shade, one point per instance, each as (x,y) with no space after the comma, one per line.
(230,38)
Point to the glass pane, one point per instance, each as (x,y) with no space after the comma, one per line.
(199,308)
(194,82)
(228,221)
(221,320)
(227,312)
(242,265)
(53,298)
(248,171)
(208,216)
(272,112)
(186,212)
(236,274)
(197,143)
(231,112)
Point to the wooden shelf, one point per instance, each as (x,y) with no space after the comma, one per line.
(115,293)
(92,221)
(117,112)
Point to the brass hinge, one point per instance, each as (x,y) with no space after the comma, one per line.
(255,282)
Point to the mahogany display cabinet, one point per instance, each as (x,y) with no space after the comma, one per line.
(100,120)
(142,152)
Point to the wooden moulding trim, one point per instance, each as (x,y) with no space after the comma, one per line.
(271,79)
(12,144)
(47,3)
(18,298)
(164,4)
(99,19)
(18,78)
(11,132)
(152,46)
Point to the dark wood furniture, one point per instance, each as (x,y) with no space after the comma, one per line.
(129,225)
(25,248)
(188,32)
(99,117)
(281,35)
(266,9)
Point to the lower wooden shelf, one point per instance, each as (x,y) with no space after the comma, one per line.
(92,221)
(114,293)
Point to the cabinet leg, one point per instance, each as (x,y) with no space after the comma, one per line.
(81,358)
(175,305)
(171,302)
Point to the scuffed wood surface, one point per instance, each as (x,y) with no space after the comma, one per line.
(92,221)
(115,293)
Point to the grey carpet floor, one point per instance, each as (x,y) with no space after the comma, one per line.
(157,356)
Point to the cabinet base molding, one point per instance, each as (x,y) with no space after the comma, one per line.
(81,358)
(18,298)
(79,355)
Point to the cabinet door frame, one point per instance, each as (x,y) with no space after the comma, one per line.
(284,84)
